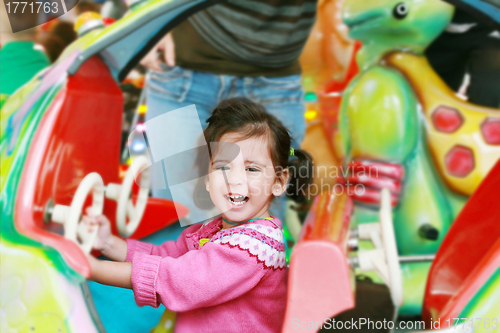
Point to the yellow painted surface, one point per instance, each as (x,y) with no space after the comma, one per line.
(35,296)
(433,93)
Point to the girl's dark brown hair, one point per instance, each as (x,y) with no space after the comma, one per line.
(249,119)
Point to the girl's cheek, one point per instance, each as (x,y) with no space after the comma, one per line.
(255,191)
(259,187)
(215,177)
(270,172)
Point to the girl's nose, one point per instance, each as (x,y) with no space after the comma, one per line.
(236,177)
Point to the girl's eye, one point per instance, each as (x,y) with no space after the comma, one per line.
(253,169)
(222,167)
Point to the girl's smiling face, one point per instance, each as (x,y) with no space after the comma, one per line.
(242,188)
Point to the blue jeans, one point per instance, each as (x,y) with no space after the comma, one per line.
(177,87)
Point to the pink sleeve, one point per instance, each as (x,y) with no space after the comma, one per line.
(212,275)
(168,249)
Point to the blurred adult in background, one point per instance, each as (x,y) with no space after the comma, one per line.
(469,46)
(238,48)
(20,57)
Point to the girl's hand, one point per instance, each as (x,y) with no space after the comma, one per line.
(110,273)
(94,262)
(103,234)
(163,51)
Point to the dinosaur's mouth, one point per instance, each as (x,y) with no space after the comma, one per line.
(362,20)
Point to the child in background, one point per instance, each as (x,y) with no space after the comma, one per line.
(57,36)
(21,58)
(228,274)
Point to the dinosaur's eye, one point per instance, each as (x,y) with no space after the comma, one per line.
(400,11)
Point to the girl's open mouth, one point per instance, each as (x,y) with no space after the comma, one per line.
(236,200)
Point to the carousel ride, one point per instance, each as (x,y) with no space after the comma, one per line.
(426,159)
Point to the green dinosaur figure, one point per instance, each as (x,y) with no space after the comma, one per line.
(403,129)
(380,122)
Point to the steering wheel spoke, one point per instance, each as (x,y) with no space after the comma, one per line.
(70,216)
(131,211)
(384,258)
(126,209)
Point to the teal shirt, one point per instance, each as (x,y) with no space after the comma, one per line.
(19,62)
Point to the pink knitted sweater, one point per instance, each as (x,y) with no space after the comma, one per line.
(234,283)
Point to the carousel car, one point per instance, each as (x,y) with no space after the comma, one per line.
(60,152)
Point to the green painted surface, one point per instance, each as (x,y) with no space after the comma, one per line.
(389,112)
(485,304)
(12,164)
(373,22)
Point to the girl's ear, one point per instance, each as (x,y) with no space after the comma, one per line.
(207,185)
(281,182)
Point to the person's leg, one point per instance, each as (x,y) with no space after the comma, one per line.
(168,91)
(448,56)
(476,52)
(176,87)
(484,70)
(282,97)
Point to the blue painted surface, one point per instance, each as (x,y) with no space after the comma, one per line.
(116,306)
(488,9)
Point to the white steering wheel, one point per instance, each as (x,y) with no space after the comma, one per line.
(390,248)
(384,258)
(122,194)
(69,216)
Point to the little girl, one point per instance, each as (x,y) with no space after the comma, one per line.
(229,274)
